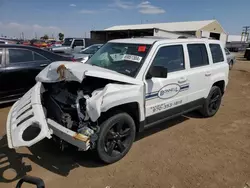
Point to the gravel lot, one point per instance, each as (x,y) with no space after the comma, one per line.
(186,152)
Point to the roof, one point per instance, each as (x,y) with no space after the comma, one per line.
(18,46)
(171,26)
(153,40)
(135,40)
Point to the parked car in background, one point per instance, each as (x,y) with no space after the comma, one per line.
(38,43)
(3,42)
(19,66)
(84,54)
(247,53)
(72,45)
(230,58)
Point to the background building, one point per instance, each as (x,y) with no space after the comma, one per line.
(207,28)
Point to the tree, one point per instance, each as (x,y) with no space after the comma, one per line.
(45,37)
(61,36)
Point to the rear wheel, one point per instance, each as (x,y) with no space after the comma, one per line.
(212,102)
(231,65)
(116,137)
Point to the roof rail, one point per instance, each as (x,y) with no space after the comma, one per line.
(158,37)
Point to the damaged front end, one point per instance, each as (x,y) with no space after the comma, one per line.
(49,112)
(65,104)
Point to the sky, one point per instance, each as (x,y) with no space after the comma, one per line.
(75,18)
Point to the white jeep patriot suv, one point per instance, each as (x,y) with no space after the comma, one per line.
(128,85)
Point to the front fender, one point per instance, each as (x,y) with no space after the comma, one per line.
(114,95)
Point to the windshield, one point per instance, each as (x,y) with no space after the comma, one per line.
(67,42)
(91,49)
(120,57)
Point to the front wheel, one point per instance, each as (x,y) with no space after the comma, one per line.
(116,137)
(212,102)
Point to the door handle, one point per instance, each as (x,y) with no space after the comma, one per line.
(182,80)
(43,65)
(208,74)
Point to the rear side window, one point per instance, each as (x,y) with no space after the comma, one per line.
(38,57)
(170,57)
(197,55)
(216,53)
(20,56)
(78,43)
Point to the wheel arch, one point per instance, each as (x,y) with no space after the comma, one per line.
(221,85)
(131,108)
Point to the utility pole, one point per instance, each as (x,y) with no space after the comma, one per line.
(245,33)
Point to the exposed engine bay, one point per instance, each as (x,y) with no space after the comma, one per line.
(65,103)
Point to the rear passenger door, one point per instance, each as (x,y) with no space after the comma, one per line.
(166,96)
(22,66)
(199,73)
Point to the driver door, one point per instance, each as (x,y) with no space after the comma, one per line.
(166,97)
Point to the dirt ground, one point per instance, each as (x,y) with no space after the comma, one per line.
(186,152)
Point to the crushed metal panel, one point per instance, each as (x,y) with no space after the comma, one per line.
(110,96)
(76,71)
(27,112)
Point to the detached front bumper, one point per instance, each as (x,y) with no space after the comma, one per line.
(27,123)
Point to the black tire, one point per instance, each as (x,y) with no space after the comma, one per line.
(117,134)
(231,65)
(212,102)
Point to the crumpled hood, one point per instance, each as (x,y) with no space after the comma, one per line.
(76,71)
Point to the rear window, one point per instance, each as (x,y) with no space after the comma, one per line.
(216,53)
(78,42)
(197,55)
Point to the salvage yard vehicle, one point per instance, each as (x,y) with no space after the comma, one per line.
(126,86)
(72,45)
(86,53)
(231,59)
(19,66)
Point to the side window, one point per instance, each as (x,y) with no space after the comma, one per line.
(197,55)
(216,53)
(20,55)
(38,57)
(170,57)
(78,43)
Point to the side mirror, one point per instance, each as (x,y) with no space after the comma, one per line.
(158,72)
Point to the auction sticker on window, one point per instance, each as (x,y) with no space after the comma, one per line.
(134,58)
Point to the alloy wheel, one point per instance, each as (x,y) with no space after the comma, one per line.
(117,139)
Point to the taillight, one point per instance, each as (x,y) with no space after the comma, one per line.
(72,59)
